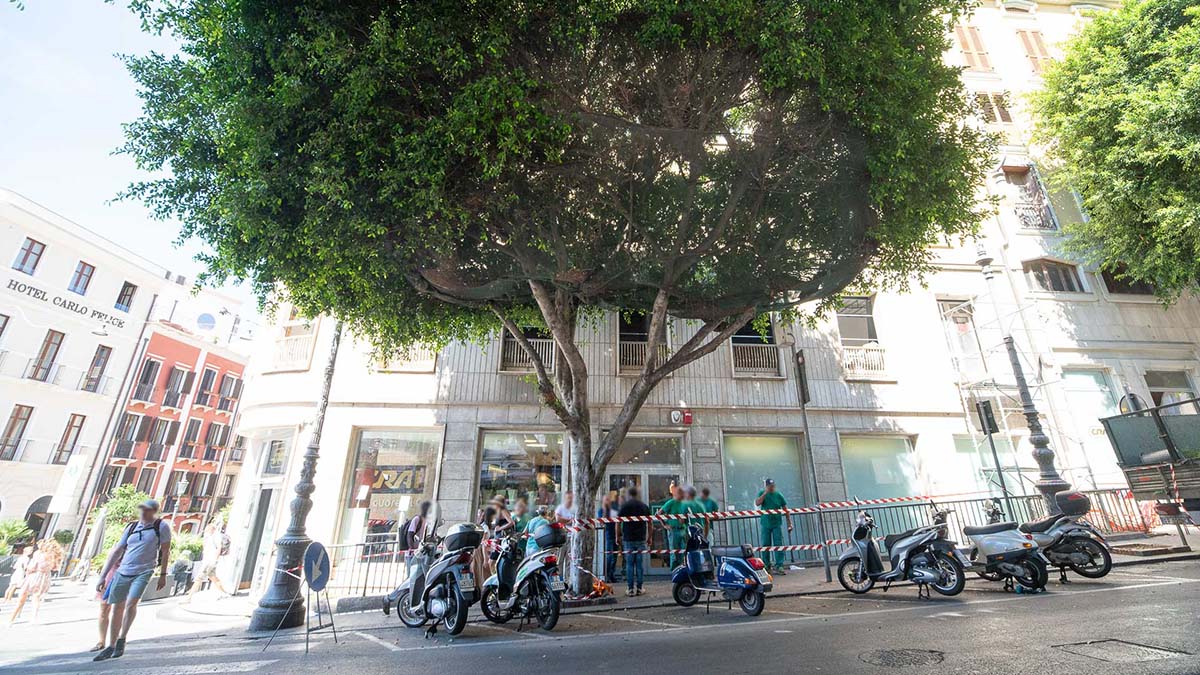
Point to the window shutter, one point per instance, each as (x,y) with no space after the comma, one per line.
(187,383)
(237,389)
(208,433)
(172,433)
(143,432)
(225,436)
(980,52)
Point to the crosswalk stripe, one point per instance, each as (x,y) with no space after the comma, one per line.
(200,669)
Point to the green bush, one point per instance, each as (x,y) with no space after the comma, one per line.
(121,510)
(13,530)
(192,543)
(64,537)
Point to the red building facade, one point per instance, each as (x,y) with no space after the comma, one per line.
(173,438)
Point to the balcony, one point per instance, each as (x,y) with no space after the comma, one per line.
(225,404)
(292,353)
(237,455)
(631,356)
(187,450)
(11,450)
(1035,215)
(204,399)
(864,360)
(415,360)
(123,449)
(155,452)
(173,399)
(143,393)
(97,385)
(755,360)
(212,453)
(514,359)
(62,453)
(38,369)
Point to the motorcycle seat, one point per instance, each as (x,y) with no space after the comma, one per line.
(732,551)
(1039,526)
(893,538)
(989,529)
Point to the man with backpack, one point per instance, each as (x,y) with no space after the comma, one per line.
(216,544)
(144,545)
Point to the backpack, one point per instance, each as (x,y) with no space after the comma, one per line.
(224,545)
(157,535)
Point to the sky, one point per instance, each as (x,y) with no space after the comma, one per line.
(63,97)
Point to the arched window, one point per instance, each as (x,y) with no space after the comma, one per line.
(36,516)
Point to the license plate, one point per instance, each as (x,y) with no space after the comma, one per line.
(763,577)
(557,584)
(467,582)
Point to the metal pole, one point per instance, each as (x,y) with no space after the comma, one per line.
(1000,477)
(281,606)
(802,396)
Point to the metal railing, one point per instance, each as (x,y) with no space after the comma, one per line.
(204,399)
(415,360)
(513,357)
(631,355)
(12,449)
(95,384)
(373,567)
(864,359)
(292,353)
(38,369)
(225,403)
(755,359)
(172,399)
(143,393)
(212,453)
(1035,215)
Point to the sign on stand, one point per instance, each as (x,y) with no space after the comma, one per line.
(316,571)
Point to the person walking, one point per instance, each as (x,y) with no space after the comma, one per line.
(38,574)
(22,554)
(677,505)
(144,545)
(607,510)
(633,540)
(216,544)
(770,525)
(105,608)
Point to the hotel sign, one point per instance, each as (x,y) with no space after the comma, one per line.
(64,303)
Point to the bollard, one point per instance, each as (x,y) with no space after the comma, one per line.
(824,546)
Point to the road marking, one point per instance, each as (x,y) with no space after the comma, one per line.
(201,669)
(382,643)
(785,620)
(780,611)
(139,655)
(510,631)
(626,618)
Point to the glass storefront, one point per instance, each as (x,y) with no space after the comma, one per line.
(879,467)
(525,465)
(973,458)
(394,471)
(750,459)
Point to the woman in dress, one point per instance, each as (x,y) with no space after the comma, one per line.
(37,577)
(20,565)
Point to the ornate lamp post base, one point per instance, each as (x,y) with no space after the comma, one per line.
(282,605)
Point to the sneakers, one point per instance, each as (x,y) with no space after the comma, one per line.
(119,648)
(779,572)
(640,591)
(629,593)
(104,655)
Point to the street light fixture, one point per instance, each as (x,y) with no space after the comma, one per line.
(1049,481)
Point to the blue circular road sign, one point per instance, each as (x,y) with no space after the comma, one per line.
(316,566)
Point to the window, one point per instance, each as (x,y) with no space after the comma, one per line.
(29,256)
(856,321)
(179,385)
(275,459)
(879,467)
(230,392)
(994,107)
(958,321)
(1035,49)
(3,324)
(296,325)
(81,278)
(521,465)
(39,368)
(14,432)
(649,450)
(126,435)
(147,381)
(204,393)
(1171,386)
(146,480)
(125,297)
(749,459)
(161,436)
(1117,281)
(191,436)
(1053,276)
(216,436)
(394,472)
(95,372)
(70,438)
(227,482)
(971,46)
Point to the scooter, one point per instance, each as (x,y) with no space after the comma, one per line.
(445,589)
(1067,541)
(922,555)
(1005,553)
(526,587)
(732,571)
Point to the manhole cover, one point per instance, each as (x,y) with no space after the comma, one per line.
(898,658)
(1119,651)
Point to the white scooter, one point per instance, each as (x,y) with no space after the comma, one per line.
(1066,540)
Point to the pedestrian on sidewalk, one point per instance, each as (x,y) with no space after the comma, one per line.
(633,540)
(45,560)
(105,608)
(771,524)
(181,571)
(144,545)
(607,510)
(22,554)
(676,528)
(216,544)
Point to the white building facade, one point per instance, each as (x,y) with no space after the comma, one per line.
(74,307)
(893,377)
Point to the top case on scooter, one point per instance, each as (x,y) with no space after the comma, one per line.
(700,562)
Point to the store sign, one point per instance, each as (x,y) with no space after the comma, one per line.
(64,303)
(405,480)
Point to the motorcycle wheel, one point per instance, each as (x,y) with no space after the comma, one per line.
(1036,575)
(984,574)
(685,594)
(548,607)
(848,573)
(1101,559)
(752,602)
(490,604)
(951,580)
(456,611)
(405,613)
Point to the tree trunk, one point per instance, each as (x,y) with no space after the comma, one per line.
(582,544)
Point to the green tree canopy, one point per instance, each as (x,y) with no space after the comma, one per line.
(1120,116)
(428,171)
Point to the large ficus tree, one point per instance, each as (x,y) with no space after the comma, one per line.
(431,170)
(1120,116)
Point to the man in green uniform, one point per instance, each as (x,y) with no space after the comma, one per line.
(677,527)
(770,525)
(706,500)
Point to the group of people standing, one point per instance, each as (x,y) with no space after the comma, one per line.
(33,569)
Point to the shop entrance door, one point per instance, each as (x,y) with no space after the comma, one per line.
(654,488)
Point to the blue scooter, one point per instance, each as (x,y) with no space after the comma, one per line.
(732,571)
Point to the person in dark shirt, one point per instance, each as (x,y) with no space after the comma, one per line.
(633,536)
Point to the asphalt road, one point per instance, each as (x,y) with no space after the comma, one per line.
(1143,619)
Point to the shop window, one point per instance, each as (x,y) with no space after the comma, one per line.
(879,467)
(648,450)
(521,465)
(394,471)
(751,459)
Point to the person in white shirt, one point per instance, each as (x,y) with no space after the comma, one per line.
(214,542)
(565,512)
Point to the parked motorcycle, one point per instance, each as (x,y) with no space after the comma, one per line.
(732,571)
(526,587)
(1067,541)
(1000,551)
(922,555)
(440,586)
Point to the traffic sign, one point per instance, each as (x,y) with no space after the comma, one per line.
(316,566)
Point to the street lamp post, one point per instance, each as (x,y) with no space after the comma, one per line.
(281,606)
(1049,481)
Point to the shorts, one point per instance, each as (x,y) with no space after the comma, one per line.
(125,587)
(208,570)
